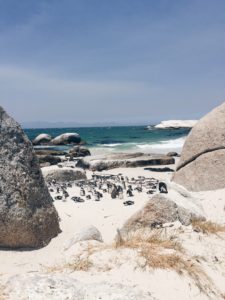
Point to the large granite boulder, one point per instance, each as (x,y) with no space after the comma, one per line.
(202,161)
(158,211)
(42,139)
(63,174)
(28,218)
(66,139)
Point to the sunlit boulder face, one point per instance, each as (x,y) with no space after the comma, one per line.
(202,163)
(28,218)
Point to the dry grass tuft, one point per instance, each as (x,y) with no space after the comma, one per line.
(2,293)
(78,264)
(159,252)
(155,250)
(207,227)
(152,239)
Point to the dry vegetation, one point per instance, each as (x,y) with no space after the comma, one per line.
(207,227)
(153,248)
(78,264)
(158,251)
(153,238)
(2,293)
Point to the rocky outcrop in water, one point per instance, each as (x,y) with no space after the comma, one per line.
(202,163)
(42,139)
(176,124)
(28,218)
(63,139)
(66,139)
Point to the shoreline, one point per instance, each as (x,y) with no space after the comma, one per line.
(120,139)
(173,145)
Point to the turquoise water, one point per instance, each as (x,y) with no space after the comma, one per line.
(126,138)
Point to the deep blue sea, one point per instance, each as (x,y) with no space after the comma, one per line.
(122,139)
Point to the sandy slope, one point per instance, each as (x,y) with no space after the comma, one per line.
(116,274)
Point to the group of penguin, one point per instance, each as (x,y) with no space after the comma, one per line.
(117,186)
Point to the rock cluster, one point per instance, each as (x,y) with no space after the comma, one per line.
(63,139)
(66,139)
(28,218)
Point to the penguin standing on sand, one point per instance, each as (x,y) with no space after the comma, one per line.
(163,188)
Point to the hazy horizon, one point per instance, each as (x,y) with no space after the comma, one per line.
(95,61)
(45,124)
(36,124)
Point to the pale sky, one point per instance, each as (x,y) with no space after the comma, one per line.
(124,61)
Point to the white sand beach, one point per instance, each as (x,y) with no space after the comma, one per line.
(117,273)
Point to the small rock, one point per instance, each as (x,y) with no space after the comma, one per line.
(86,234)
(79,152)
(173,154)
(52,160)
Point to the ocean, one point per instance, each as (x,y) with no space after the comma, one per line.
(122,138)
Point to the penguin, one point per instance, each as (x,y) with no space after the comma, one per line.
(163,188)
